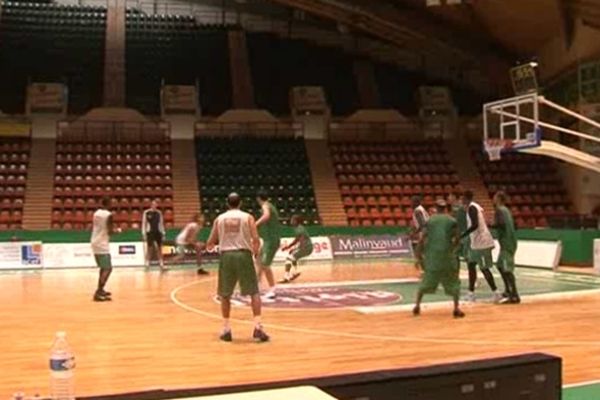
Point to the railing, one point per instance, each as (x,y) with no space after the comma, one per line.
(254,129)
(371,130)
(14,126)
(574,222)
(113,131)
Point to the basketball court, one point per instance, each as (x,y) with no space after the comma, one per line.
(161,330)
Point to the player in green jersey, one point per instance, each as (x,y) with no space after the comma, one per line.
(299,248)
(505,228)
(458,212)
(439,244)
(269,229)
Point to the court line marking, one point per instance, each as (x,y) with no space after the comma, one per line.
(325,284)
(528,299)
(352,283)
(349,335)
(581,384)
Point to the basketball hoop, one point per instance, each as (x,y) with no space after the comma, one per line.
(494,148)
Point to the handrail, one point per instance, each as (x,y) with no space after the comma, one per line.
(249,128)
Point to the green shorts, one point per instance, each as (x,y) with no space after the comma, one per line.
(506,260)
(237,267)
(299,253)
(447,276)
(103,261)
(483,258)
(268,251)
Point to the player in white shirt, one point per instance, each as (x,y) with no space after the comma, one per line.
(187,240)
(236,234)
(100,241)
(420,217)
(480,247)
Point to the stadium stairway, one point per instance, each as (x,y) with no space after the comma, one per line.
(186,197)
(241,77)
(468,174)
(366,84)
(37,210)
(325,185)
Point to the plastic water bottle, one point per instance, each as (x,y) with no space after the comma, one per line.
(62,363)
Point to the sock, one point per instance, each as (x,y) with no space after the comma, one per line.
(472,267)
(490,279)
(226,326)
(257,322)
(505,279)
(513,284)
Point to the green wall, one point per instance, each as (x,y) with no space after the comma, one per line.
(578,248)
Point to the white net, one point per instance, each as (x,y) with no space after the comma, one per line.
(494,148)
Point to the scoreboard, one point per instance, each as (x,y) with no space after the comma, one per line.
(524,79)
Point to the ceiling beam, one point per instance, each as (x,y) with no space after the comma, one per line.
(405,29)
(567,23)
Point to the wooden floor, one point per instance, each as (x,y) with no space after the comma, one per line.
(144,340)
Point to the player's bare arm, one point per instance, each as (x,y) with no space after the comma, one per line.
(254,235)
(294,242)
(266,215)
(213,239)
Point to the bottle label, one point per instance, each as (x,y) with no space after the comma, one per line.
(64,364)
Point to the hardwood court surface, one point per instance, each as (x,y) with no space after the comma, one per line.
(143,340)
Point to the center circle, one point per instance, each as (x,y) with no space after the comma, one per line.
(320,297)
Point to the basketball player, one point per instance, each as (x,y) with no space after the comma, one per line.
(299,248)
(153,231)
(458,212)
(419,218)
(236,234)
(505,226)
(187,240)
(439,243)
(102,228)
(481,244)
(269,229)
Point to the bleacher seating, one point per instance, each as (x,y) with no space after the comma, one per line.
(377,180)
(536,193)
(180,51)
(51,42)
(14,159)
(132,174)
(246,165)
(279,64)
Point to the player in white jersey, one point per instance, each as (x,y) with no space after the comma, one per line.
(187,240)
(480,247)
(100,241)
(420,217)
(237,236)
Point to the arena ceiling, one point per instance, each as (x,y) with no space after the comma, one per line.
(476,31)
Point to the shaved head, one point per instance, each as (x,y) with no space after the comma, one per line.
(234,200)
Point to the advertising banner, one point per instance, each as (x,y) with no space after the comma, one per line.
(78,255)
(179,98)
(373,246)
(17,255)
(46,96)
(169,251)
(321,249)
